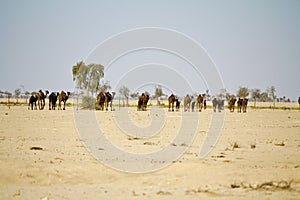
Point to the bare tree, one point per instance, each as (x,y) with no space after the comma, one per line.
(124,91)
(272,95)
(27,95)
(158,93)
(17,94)
(255,94)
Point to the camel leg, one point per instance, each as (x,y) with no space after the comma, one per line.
(64,106)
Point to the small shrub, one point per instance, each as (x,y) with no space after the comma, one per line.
(88,102)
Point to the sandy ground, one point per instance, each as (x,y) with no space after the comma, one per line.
(256,156)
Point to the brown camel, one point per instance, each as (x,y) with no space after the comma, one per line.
(244,105)
(187,103)
(231,104)
(177,104)
(100,101)
(200,101)
(41,98)
(108,100)
(52,100)
(142,102)
(239,104)
(32,100)
(63,97)
(172,100)
(218,103)
(299,101)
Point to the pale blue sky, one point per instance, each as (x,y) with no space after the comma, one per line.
(253,43)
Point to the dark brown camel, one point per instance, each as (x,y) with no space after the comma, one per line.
(239,104)
(299,101)
(41,98)
(52,100)
(231,104)
(63,97)
(100,101)
(244,105)
(172,100)
(109,99)
(177,105)
(142,102)
(32,100)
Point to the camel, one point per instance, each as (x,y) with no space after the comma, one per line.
(200,101)
(108,100)
(142,102)
(187,103)
(41,98)
(171,100)
(100,101)
(218,103)
(177,104)
(239,104)
(32,100)
(299,101)
(231,104)
(63,97)
(244,105)
(52,100)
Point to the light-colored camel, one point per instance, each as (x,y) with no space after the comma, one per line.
(41,98)
(187,103)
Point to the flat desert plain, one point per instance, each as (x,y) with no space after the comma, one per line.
(257,155)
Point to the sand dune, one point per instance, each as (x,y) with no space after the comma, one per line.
(43,157)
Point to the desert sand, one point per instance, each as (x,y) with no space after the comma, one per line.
(257,155)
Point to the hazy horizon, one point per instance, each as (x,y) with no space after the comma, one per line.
(254,44)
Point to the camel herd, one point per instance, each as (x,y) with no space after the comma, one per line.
(104,101)
(40,97)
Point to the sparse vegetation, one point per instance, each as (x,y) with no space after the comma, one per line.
(268,185)
(232,146)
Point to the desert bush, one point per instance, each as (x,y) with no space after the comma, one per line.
(88,102)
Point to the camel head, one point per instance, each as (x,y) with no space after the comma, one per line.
(68,94)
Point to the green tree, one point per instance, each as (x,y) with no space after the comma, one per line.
(243,92)
(255,94)
(124,91)
(104,86)
(264,97)
(87,77)
(17,93)
(134,95)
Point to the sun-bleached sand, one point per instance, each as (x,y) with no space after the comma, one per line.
(256,156)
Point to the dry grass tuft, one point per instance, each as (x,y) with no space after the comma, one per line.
(268,185)
(280,144)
